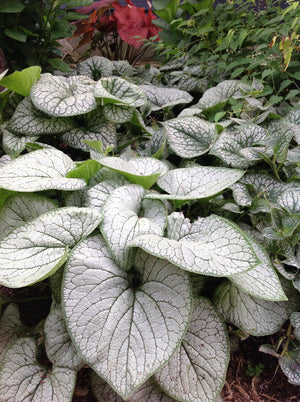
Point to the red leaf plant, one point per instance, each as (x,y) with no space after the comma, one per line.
(133,21)
(118,32)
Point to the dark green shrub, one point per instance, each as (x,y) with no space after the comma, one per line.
(233,40)
(29,31)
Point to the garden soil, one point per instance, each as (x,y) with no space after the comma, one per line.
(270,386)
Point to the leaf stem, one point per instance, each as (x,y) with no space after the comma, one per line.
(288,336)
(272,165)
(275,171)
(126,144)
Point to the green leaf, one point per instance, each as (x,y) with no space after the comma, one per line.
(96,196)
(22,81)
(4,194)
(126,216)
(29,121)
(292,94)
(290,201)
(35,146)
(97,145)
(149,391)
(105,174)
(267,73)
(13,144)
(192,83)
(39,170)
(143,171)
(274,99)
(85,170)
(59,64)
(293,154)
(116,90)
(159,153)
(96,128)
(96,67)
(20,366)
(269,350)
(219,116)
(36,249)
(281,133)
(16,33)
(138,121)
(195,182)
(118,113)
(161,97)
(294,117)
(222,92)
(296,75)
(290,366)
(283,226)
(296,282)
(78,3)
(237,72)
(166,9)
(11,328)
(106,151)
(123,68)
(189,137)
(28,32)
(213,246)
(261,281)
(55,282)
(178,226)
(59,96)
(11,6)
(264,185)
(241,146)
(156,145)
(197,370)
(58,345)
(241,194)
(110,313)
(284,84)
(295,322)
(254,316)
(190,111)
(21,208)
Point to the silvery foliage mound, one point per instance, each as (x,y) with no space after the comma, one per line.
(149,231)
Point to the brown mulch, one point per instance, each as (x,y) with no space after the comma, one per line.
(270,386)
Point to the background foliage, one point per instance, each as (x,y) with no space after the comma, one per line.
(29,31)
(235,40)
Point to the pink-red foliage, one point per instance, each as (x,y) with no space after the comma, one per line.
(132,23)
